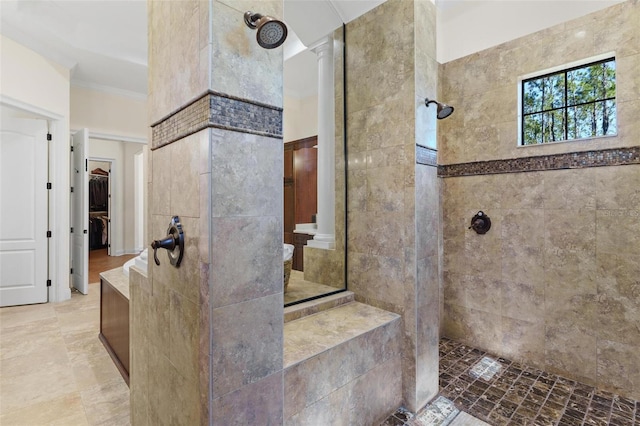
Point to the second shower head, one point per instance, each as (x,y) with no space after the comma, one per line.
(443,111)
(271,32)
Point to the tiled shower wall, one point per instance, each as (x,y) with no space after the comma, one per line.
(392,255)
(555,282)
(207,337)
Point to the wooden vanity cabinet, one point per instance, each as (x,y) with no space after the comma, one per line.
(114,325)
(299,241)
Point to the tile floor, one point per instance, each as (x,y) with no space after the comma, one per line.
(501,392)
(54,369)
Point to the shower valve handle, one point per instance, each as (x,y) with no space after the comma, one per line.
(173,243)
(168,243)
(480,223)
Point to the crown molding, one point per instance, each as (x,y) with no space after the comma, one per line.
(109,89)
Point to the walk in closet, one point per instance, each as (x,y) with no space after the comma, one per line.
(99,197)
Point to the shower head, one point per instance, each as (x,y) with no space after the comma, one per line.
(443,110)
(271,33)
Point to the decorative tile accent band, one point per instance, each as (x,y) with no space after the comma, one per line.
(426,156)
(571,160)
(220,111)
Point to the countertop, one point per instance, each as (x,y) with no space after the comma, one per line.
(118,280)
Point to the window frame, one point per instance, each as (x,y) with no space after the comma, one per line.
(564,70)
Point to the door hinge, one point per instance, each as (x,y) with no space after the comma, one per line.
(49,186)
(72,189)
(72,229)
(71,271)
(84,231)
(48,234)
(49,137)
(71,148)
(48,283)
(86,165)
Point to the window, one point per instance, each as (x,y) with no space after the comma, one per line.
(575,103)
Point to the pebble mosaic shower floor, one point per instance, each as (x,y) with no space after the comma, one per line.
(501,392)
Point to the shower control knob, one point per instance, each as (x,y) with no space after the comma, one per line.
(480,223)
(173,243)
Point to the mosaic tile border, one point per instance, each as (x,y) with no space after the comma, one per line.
(426,156)
(571,160)
(221,111)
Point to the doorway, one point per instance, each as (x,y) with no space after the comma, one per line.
(100,214)
(99,205)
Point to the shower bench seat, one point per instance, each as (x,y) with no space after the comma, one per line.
(334,357)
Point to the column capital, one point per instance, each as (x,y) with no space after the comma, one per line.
(322,46)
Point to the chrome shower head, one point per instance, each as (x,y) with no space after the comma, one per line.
(271,32)
(444,110)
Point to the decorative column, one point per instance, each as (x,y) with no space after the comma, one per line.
(325,237)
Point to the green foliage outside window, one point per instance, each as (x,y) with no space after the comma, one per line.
(577,103)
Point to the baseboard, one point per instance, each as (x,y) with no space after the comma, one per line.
(123,252)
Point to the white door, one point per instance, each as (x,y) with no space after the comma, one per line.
(80,212)
(23,211)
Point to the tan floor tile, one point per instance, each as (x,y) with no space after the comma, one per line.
(35,362)
(83,320)
(83,344)
(64,410)
(70,379)
(27,389)
(26,343)
(92,371)
(79,302)
(21,315)
(107,401)
(123,420)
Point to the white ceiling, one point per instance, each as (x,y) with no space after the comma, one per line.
(104,42)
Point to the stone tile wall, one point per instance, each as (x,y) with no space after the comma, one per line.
(392,262)
(553,283)
(210,332)
(424,333)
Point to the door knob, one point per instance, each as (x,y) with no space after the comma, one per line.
(173,243)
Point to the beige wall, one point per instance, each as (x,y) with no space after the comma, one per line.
(300,119)
(468,27)
(108,113)
(554,281)
(30,81)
